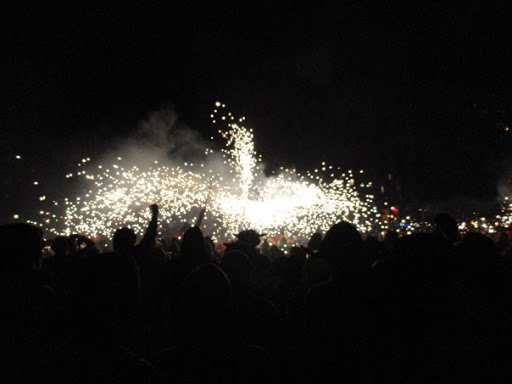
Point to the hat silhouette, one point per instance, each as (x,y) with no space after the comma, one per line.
(250,237)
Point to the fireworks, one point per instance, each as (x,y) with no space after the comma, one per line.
(238,196)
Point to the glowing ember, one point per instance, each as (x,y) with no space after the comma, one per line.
(119,194)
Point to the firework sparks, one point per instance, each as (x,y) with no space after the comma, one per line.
(118,195)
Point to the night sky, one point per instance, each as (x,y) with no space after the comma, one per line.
(419,91)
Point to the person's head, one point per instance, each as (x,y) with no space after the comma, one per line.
(124,239)
(314,241)
(447,226)
(340,239)
(193,244)
(275,252)
(250,237)
(21,246)
(342,247)
(61,246)
(476,257)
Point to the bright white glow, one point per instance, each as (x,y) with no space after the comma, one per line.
(299,204)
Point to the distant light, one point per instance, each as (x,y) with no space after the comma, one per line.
(217,104)
(16,216)
(18,157)
(36,183)
(507,128)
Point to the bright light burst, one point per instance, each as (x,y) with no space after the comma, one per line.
(119,194)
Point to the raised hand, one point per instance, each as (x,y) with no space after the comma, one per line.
(200,217)
(154,209)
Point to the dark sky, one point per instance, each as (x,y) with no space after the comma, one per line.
(420,91)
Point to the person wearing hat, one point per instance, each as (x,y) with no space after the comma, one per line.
(250,237)
(247,242)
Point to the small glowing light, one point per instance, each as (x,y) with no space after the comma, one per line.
(16,216)
(18,157)
(36,183)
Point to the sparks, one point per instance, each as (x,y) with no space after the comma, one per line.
(118,195)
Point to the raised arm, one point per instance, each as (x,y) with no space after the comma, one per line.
(200,217)
(148,241)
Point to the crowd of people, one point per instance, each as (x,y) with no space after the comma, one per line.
(424,308)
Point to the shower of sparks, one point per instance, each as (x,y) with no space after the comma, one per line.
(118,195)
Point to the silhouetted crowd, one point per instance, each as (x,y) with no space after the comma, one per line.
(424,308)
